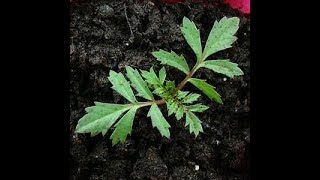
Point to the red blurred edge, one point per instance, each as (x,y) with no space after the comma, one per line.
(241,5)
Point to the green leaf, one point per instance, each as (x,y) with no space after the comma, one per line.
(172,59)
(123,127)
(100,118)
(182,94)
(159,91)
(138,83)
(207,89)
(191,98)
(172,108)
(159,121)
(168,103)
(221,35)
(197,108)
(192,36)
(179,113)
(162,75)
(223,67)
(170,85)
(105,108)
(194,123)
(121,85)
(151,76)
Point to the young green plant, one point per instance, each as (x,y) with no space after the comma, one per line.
(102,116)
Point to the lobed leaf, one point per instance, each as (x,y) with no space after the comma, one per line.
(150,76)
(138,83)
(172,59)
(221,35)
(121,85)
(197,108)
(206,88)
(182,94)
(179,113)
(191,98)
(192,36)
(159,91)
(223,67)
(100,118)
(172,108)
(124,127)
(159,121)
(194,123)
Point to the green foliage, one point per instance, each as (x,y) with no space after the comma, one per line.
(158,120)
(124,126)
(162,75)
(149,85)
(221,35)
(172,59)
(150,77)
(165,91)
(206,88)
(172,107)
(194,123)
(100,117)
(179,113)
(223,67)
(192,36)
(190,98)
(121,85)
(138,83)
(197,108)
(182,94)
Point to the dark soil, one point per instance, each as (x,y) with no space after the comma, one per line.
(101,40)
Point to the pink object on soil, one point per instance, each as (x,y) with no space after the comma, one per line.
(241,5)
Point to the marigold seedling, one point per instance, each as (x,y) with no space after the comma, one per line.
(102,116)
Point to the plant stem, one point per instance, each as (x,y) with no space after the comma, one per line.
(186,79)
(149,103)
(190,74)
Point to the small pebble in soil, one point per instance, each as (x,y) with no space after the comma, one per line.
(105,11)
(218,142)
(224,79)
(196,167)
